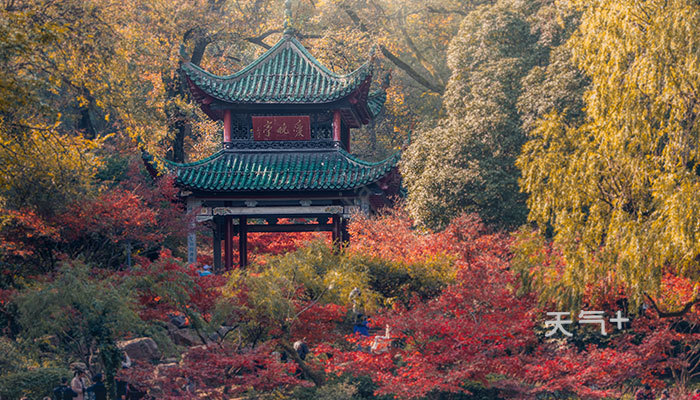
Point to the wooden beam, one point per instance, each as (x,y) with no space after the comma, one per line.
(279,211)
(291,228)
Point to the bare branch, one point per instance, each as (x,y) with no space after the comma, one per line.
(394,58)
(434,10)
(679,313)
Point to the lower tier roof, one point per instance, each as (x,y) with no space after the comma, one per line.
(236,171)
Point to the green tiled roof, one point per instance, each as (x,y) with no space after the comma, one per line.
(287,73)
(231,171)
(375,102)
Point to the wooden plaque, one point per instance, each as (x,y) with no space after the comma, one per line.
(288,127)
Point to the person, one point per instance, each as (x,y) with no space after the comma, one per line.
(120,381)
(63,391)
(381,344)
(301,348)
(98,388)
(79,384)
(121,388)
(206,270)
(355,297)
(126,361)
(664,395)
(696,395)
(121,385)
(361,326)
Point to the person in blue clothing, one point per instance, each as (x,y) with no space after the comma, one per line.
(206,270)
(360,325)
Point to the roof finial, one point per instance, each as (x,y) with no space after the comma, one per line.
(288,30)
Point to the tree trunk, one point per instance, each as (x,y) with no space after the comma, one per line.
(177,87)
(308,373)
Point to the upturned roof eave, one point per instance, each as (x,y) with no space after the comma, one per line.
(365,173)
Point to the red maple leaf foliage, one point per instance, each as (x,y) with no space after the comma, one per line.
(318,323)
(215,372)
(136,212)
(116,215)
(392,235)
(479,327)
(173,287)
(23,233)
(476,327)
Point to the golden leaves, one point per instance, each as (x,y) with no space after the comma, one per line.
(621,190)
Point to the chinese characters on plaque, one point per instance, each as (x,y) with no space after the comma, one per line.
(584,317)
(282,128)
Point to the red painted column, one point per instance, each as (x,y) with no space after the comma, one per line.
(228,243)
(336,126)
(243,241)
(227,126)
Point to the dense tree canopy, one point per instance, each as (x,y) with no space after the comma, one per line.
(467,162)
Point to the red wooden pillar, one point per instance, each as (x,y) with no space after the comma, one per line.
(228,243)
(336,126)
(227,126)
(243,241)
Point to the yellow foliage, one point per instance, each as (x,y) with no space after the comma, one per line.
(622,191)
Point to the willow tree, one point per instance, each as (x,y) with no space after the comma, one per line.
(621,189)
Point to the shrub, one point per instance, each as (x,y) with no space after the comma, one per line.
(35,383)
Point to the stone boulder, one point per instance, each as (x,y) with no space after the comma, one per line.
(185,337)
(142,349)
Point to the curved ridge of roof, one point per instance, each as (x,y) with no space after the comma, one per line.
(205,160)
(375,101)
(392,158)
(279,75)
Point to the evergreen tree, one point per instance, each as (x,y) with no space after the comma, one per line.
(467,162)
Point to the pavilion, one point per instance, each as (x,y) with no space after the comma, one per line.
(287,123)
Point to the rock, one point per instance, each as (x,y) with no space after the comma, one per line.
(185,337)
(161,369)
(142,349)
